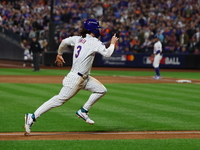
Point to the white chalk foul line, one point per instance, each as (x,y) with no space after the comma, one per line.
(102,133)
(147,78)
(163,79)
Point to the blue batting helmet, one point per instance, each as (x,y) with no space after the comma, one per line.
(93,26)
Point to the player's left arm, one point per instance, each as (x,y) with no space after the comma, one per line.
(107,52)
(158,51)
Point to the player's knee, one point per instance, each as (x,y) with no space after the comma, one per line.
(103,91)
(60,99)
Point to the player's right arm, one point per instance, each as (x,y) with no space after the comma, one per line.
(65,42)
(157,48)
(68,41)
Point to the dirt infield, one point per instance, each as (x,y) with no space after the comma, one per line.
(92,135)
(99,135)
(103,79)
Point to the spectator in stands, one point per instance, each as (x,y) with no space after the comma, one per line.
(184,50)
(196,50)
(134,45)
(57,17)
(171,42)
(44,45)
(177,48)
(184,39)
(121,45)
(141,36)
(191,30)
(127,41)
(126,17)
(147,46)
(32,34)
(160,36)
(197,33)
(98,10)
(105,36)
(126,50)
(117,49)
(197,45)
(192,44)
(147,33)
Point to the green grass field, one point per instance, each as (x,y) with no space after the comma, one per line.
(146,144)
(126,107)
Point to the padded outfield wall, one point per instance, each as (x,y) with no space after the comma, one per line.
(10,50)
(188,61)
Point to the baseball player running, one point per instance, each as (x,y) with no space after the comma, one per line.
(85,47)
(157,52)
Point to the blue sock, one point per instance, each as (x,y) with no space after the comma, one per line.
(33,117)
(157,71)
(83,110)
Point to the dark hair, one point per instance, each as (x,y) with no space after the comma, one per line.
(83,32)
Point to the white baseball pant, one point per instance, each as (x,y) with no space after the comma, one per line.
(157,59)
(72,84)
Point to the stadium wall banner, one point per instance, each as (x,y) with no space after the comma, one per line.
(140,60)
(132,60)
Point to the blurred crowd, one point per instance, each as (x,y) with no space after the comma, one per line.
(136,22)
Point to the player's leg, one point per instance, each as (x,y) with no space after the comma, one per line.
(34,60)
(71,85)
(37,62)
(98,90)
(31,59)
(25,60)
(156,64)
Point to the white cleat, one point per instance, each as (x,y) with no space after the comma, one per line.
(157,77)
(84,116)
(29,121)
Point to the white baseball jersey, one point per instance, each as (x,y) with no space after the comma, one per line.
(83,56)
(157,46)
(84,52)
(157,57)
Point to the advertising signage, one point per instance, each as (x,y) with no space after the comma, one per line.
(140,60)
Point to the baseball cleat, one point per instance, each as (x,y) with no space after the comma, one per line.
(29,121)
(82,113)
(157,77)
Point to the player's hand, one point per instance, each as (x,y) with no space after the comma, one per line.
(114,39)
(59,60)
(151,58)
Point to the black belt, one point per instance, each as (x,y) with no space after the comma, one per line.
(83,76)
(80,74)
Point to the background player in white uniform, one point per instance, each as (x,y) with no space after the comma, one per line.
(85,47)
(157,52)
(28,56)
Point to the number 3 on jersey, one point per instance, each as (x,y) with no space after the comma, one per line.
(78,51)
